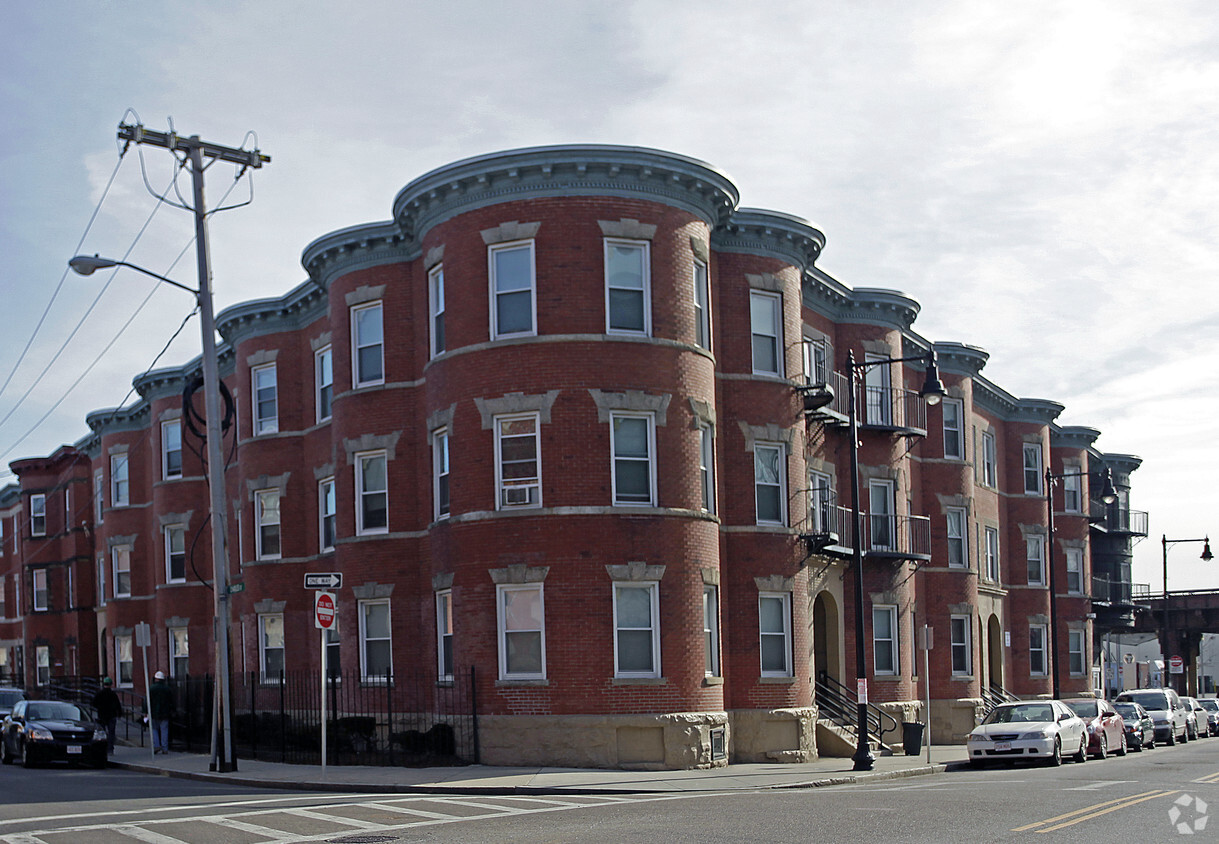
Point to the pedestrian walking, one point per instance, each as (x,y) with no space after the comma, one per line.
(109,709)
(161,706)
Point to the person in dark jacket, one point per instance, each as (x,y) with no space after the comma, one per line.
(161,706)
(109,709)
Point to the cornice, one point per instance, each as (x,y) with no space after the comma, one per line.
(357,248)
(1037,411)
(960,358)
(771,234)
(1072,436)
(878,306)
(296,309)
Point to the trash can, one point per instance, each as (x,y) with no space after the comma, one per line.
(912,737)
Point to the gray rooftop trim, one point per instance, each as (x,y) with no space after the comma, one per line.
(772,234)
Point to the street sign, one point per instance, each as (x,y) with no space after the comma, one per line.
(1176,665)
(324,580)
(323,610)
(234,588)
(143,635)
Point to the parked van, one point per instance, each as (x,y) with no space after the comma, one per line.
(1165,709)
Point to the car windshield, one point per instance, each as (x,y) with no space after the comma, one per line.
(1149,700)
(1083,708)
(1021,712)
(52,711)
(1211,704)
(1126,710)
(10,696)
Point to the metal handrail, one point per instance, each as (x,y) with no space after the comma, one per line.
(842,707)
(892,407)
(994,695)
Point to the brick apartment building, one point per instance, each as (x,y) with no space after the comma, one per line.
(549,422)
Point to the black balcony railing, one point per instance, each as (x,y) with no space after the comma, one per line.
(1112,518)
(837,384)
(897,537)
(893,408)
(1108,591)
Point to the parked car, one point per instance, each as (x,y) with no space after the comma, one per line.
(1106,729)
(1164,707)
(1140,729)
(51,730)
(1196,716)
(1041,730)
(1212,715)
(9,696)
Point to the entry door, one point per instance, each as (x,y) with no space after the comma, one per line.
(877,395)
(883,515)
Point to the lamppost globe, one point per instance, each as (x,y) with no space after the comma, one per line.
(89,264)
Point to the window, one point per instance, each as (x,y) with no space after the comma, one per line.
(120,489)
(627,293)
(882,515)
(992,554)
(878,393)
(101,580)
(444,634)
(961,634)
(632,444)
(440,472)
(266,399)
(171,449)
(512,289)
(367,339)
(326,514)
(958,547)
(175,554)
(1075,652)
(121,557)
(954,422)
(702,306)
(42,660)
(99,495)
(179,652)
(706,466)
(774,630)
(990,476)
(376,661)
(71,597)
(636,630)
(436,308)
(884,640)
(372,509)
(123,659)
(38,515)
(522,639)
(3,607)
(68,516)
(271,647)
(323,369)
(711,631)
(1075,571)
(1072,492)
(1035,554)
(820,502)
(816,360)
(765,312)
(517,465)
(42,600)
(769,483)
(1037,651)
(266,518)
(1032,468)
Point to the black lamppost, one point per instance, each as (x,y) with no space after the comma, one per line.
(931,392)
(1206,556)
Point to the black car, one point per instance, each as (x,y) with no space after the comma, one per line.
(51,730)
(1140,728)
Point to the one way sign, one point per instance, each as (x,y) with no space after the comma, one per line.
(324,580)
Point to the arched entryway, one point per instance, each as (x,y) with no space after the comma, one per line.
(827,635)
(994,652)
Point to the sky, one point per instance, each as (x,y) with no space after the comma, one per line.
(1040,176)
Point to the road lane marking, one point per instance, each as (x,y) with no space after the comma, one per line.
(1106,811)
(1114,803)
(1209,778)
(1097,786)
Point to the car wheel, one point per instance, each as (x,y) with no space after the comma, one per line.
(1150,743)
(1103,746)
(27,761)
(1082,755)
(1121,748)
(5,756)
(1172,737)
(1055,758)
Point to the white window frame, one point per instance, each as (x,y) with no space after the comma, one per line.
(1076,646)
(759,302)
(358,342)
(444,635)
(885,646)
(525,491)
(323,383)
(178,644)
(993,570)
(38,514)
(171,430)
(779,484)
(784,636)
(442,503)
(1073,492)
(1075,568)
(364,493)
(702,305)
(956,521)
(120,480)
(644,290)
(882,515)
(266,646)
(327,514)
(437,339)
(960,634)
(650,459)
(492,252)
(170,531)
(124,679)
(102,572)
(820,501)
(954,427)
(99,493)
(652,592)
(878,389)
(817,362)
(1038,632)
(711,631)
(502,619)
(366,674)
(120,556)
(1035,560)
(1033,468)
(41,591)
(264,392)
(263,516)
(42,665)
(706,466)
(990,469)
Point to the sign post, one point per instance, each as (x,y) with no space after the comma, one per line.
(324,612)
(926,644)
(143,638)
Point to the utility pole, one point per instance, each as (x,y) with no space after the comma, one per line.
(195,150)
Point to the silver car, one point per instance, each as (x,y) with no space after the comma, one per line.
(1212,714)
(1037,730)
(1166,709)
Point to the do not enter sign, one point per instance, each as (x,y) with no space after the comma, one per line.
(323,609)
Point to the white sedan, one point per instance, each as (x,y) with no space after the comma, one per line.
(1039,730)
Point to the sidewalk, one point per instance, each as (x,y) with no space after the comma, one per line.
(483,779)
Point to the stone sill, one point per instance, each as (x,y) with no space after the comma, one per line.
(500,684)
(640,681)
(713,681)
(777,681)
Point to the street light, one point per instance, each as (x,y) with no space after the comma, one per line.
(222,717)
(1108,495)
(1207,556)
(931,392)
